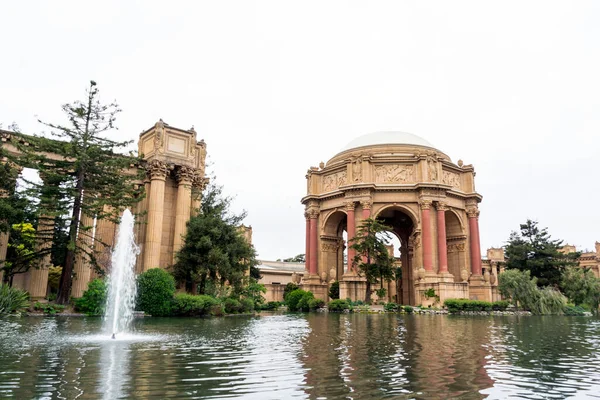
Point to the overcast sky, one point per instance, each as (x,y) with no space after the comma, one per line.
(274,87)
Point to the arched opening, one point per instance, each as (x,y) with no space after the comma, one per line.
(334,245)
(402,227)
(455,239)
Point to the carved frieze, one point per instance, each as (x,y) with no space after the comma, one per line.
(451,179)
(454,247)
(334,181)
(394,173)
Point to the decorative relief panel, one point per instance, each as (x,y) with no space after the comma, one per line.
(394,173)
(333,181)
(451,178)
(176,145)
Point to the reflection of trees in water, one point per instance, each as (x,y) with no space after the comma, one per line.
(545,354)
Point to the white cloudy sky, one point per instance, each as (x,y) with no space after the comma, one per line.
(274,87)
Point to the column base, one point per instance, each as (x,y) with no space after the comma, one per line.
(479,289)
(353,287)
(320,290)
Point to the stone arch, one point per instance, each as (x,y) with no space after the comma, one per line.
(401,207)
(456,244)
(333,245)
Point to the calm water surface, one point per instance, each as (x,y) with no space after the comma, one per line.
(324,356)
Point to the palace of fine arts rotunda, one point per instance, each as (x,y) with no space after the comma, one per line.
(428,201)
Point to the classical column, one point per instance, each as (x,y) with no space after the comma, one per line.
(441,237)
(104,239)
(82,269)
(427,242)
(350,233)
(38,277)
(184,177)
(307,256)
(198,185)
(158,171)
(474,244)
(366,209)
(313,243)
(3,250)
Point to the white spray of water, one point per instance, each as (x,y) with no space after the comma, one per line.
(122,288)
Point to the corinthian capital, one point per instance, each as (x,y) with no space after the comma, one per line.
(425,204)
(185,174)
(157,169)
(472,212)
(441,206)
(350,206)
(366,205)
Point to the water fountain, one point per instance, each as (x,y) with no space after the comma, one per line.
(122,289)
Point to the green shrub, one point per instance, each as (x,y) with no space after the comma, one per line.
(458,305)
(232,306)
(289,288)
(49,308)
(338,305)
(391,307)
(189,305)
(271,305)
(247,305)
(381,292)
(549,301)
(500,305)
(572,310)
(156,288)
(293,298)
(217,310)
(93,300)
(314,304)
(12,299)
(408,309)
(303,303)
(334,290)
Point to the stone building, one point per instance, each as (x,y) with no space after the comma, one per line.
(174,162)
(429,202)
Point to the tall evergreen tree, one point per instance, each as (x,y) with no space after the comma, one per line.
(215,250)
(372,257)
(532,249)
(83,171)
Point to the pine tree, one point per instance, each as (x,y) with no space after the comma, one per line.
(535,251)
(215,250)
(372,257)
(83,172)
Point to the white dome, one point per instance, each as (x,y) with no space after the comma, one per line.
(389,137)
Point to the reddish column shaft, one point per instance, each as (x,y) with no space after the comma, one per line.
(442,248)
(427,245)
(475,247)
(313,246)
(351,232)
(307,255)
(366,212)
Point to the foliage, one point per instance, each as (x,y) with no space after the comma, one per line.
(500,305)
(93,300)
(533,250)
(303,304)
(315,304)
(429,293)
(338,305)
(215,249)
(458,305)
(576,311)
(293,298)
(12,299)
(408,309)
(254,292)
(21,254)
(581,286)
(49,308)
(54,278)
(300,258)
(381,292)
(271,305)
(232,306)
(372,257)
(519,287)
(290,287)
(156,288)
(334,290)
(549,301)
(85,179)
(188,305)
(391,307)
(248,305)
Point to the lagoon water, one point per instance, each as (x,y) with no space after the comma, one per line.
(310,356)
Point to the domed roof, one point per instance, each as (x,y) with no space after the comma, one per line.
(387,137)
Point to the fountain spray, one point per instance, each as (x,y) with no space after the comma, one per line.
(122,288)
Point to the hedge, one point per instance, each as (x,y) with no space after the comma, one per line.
(458,305)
